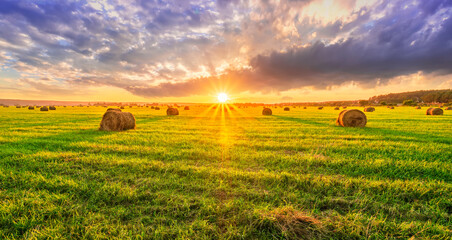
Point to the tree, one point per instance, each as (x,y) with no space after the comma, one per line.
(363,102)
(409,102)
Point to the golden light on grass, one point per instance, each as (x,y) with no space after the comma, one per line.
(222,97)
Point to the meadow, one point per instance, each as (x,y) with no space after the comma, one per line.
(213,174)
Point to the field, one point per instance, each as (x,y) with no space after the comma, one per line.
(210,174)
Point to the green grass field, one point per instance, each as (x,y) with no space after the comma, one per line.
(234,175)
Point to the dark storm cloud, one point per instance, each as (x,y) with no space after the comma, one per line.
(400,43)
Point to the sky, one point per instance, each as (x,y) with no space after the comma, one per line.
(253,50)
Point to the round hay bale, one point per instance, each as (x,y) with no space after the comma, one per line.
(418,107)
(286,109)
(336,108)
(369,109)
(391,107)
(267,111)
(44,109)
(172,111)
(435,111)
(31,108)
(52,108)
(114,120)
(157,108)
(122,107)
(320,108)
(304,107)
(351,118)
(186,108)
(18,106)
(152,107)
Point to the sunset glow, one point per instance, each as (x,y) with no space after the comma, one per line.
(222,97)
(182,51)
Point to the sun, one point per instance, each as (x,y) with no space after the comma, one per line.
(222,97)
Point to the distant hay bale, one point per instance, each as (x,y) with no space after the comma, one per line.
(267,111)
(152,107)
(320,108)
(31,108)
(336,108)
(157,108)
(115,120)
(286,109)
(369,109)
(122,107)
(418,107)
(434,111)
(391,107)
(172,111)
(304,107)
(52,108)
(186,108)
(44,109)
(351,118)
(18,106)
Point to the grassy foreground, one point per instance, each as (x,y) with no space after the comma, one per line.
(208,174)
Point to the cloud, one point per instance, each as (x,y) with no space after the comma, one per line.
(400,43)
(182,48)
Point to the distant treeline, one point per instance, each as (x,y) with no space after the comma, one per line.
(425,96)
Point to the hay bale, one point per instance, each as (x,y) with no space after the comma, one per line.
(115,120)
(18,106)
(320,108)
(336,108)
(122,107)
(351,118)
(304,107)
(286,109)
(152,107)
(52,108)
(434,111)
(369,109)
(391,107)
(31,108)
(344,107)
(172,111)
(44,109)
(267,111)
(186,108)
(157,108)
(418,107)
